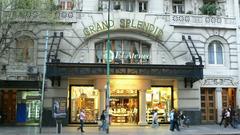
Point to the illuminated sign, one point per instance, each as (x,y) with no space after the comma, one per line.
(143,26)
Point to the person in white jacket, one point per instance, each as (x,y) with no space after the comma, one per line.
(155,119)
(82,118)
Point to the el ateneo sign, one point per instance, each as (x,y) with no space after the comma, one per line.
(143,26)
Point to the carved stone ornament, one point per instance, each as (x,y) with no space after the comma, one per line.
(213,82)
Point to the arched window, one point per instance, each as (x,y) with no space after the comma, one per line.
(24,49)
(215,52)
(124,52)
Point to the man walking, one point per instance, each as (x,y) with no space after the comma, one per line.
(155,119)
(224,112)
(103,121)
(82,118)
(174,120)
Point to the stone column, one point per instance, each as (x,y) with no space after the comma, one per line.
(219,103)
(236,13)
(142,108)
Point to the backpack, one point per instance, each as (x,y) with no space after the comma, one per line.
(102,117)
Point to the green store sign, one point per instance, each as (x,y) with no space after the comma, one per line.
(143,26)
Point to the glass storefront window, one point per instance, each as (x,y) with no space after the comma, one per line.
(125,52)
(124,106)
(160,99)
(84,97)
(28,106)
(124,110)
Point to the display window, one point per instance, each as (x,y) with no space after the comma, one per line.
(28,107)
(160,99)
(84,97)
(124,106)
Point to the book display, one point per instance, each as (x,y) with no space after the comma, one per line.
(84,97)
(124,110)
(160,99)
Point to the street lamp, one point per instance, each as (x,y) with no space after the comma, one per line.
(43,84)
(108,70)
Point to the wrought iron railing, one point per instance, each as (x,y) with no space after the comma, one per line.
(202,21)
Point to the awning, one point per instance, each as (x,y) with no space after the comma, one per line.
(20,84)
(192,72)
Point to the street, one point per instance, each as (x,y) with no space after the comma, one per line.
(122,130)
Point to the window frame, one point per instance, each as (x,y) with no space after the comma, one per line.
(178,6)
(25,48)
(215,44)
(126,47)
(66,4)
(144,6)
(128,6)
(225,52)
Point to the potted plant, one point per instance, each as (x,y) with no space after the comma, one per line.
(209,9)
(189,12)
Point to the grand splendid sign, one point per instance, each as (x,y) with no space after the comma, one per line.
(143,26)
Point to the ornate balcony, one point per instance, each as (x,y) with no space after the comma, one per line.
(187,20)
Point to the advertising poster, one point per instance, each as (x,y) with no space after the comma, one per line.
(59,107)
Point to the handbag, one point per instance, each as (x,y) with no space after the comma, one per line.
(99,123)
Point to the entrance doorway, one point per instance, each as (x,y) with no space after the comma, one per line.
(8,107)
(208,110)
(83,97)
(228,97)
(124,110)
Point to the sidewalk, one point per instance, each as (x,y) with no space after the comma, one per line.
(123,130)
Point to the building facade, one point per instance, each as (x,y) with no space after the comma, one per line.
(165,54)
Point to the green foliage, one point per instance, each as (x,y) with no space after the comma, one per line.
(209,9)
(27,4)
(25,11)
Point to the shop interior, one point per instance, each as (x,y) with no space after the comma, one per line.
(124,110)
(84,97)
(124,106)
(28,107)
(160,99)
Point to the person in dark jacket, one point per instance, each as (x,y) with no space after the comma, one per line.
(174,120)
(230,113)
(103,120)
(223,116)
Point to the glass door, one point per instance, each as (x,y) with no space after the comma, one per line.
(33,109)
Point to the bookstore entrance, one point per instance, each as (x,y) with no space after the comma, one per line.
(84,97)
(124,109)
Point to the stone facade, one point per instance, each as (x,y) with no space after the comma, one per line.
(161,28)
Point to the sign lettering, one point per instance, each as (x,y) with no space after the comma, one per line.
(143,26)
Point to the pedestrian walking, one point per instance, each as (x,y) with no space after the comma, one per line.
(229,118)
(82,118)
(174,120)
(181,119)
(223,116)
(232,116)
(103,121)
(155,119)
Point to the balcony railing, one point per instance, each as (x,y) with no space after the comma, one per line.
(202,21)
(186,20)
